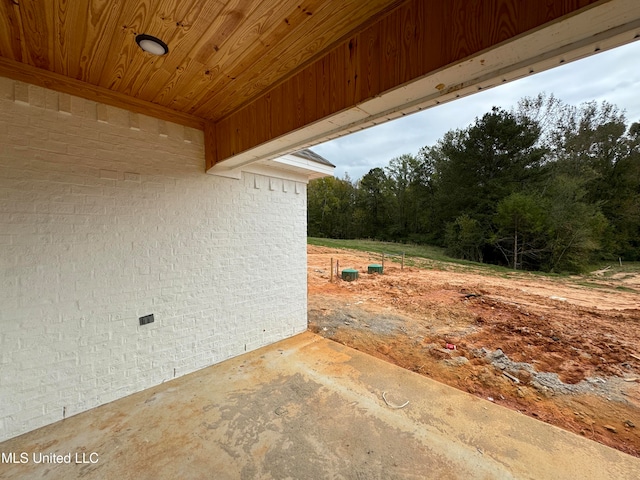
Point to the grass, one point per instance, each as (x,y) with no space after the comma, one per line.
(617,273)
(626,289)
(415,255)
(426,256)
(421,251)
(632,268)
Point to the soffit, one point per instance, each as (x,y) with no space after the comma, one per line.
(222,53)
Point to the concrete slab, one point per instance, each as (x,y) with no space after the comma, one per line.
(307,408)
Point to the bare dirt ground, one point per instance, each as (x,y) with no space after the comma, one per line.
(563,350)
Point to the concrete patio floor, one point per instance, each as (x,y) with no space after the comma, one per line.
(308,408)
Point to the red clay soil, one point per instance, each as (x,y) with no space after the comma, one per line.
(563,350)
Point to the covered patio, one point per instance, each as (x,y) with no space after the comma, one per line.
(125,266)
(307,408)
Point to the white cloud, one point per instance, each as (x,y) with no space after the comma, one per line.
(612,76)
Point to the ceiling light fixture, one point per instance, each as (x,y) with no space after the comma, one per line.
(152,45)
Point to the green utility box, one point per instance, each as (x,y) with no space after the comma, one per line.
(375,268)
(349,274)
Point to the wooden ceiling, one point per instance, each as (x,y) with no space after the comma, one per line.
(222,53)
(263,77)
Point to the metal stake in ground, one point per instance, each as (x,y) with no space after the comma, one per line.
(331,278)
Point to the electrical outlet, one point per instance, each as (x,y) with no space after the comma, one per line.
(146,319)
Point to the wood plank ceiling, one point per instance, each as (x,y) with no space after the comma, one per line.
(222,53)
(251,71)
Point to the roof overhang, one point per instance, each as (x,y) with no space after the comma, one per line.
(264,79)
(288,166)
(603,26)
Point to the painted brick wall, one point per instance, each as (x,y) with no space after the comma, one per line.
(106,216)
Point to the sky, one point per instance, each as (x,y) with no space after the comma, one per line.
(613,75)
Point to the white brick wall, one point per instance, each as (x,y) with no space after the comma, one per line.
(105,216)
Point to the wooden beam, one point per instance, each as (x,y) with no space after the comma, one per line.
(416,39)
(210,153)
(53,81)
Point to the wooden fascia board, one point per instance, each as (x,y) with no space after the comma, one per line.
(53,81)
(402,48)
(210,153)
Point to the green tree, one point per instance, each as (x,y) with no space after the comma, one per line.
(330,206)
(622,208)
(521,235)
(591,145)
(372,203)
(545,185)
(575,225)
(475,168)
(465,238)
(403,173)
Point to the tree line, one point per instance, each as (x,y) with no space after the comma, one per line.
(543,186)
